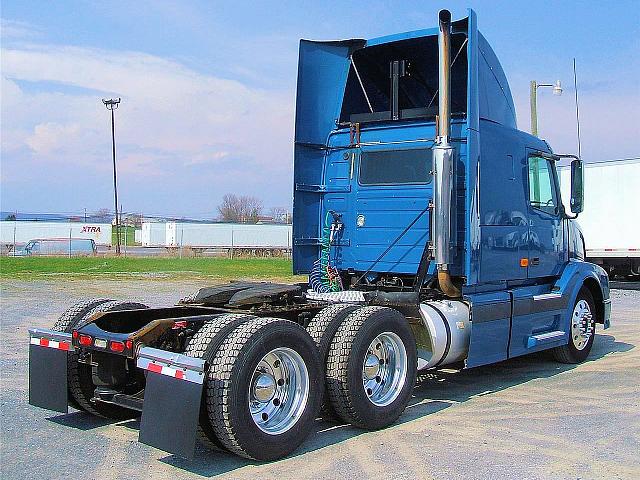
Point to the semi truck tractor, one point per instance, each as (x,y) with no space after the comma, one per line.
(433,234)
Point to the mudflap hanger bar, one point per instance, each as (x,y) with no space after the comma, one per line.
(171,364)
(172,399)
(48,352)
(50,339)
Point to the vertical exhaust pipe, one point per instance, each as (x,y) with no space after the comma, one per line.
(443,157)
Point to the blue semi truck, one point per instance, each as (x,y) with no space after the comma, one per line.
(433,233)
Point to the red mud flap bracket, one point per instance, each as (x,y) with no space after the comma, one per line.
(48,352)
(171,400)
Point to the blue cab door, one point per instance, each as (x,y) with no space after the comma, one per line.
(546,235)
(536,310)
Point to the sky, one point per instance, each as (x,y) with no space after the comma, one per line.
(208,91)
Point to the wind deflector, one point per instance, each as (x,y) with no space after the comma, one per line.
(322,76)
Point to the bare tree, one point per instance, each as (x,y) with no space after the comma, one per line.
(240,209)
(133,219)
(279,214)
(103,215)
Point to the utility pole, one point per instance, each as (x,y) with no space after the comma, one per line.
(533,101)
(113,104)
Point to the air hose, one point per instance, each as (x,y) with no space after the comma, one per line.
(325,277)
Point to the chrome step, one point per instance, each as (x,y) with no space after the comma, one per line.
(542,338)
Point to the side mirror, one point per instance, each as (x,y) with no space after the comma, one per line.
(577,187)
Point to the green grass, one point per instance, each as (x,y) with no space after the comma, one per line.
(101,267)
(126,233)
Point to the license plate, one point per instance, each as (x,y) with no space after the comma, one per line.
(100,343)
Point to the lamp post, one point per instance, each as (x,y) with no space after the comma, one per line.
(113,104)
(533,99)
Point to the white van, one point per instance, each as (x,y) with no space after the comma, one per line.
(58,246)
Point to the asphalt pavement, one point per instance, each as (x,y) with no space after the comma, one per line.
(528,417)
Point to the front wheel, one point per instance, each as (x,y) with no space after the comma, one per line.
(582,330)
(371,367)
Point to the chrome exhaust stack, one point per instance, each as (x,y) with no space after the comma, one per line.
(443,158)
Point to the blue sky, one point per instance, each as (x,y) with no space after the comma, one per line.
(208,91)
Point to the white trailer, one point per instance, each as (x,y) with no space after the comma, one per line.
(153,234)
(20,232)
(228,235)
(610,218)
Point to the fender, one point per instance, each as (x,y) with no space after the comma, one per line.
(578,273)
(494,337)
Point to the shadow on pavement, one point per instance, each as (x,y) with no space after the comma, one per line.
(80,420)
(435,390)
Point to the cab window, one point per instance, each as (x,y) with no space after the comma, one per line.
(395,167)
(541,190)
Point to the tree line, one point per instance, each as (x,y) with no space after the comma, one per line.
(249,209)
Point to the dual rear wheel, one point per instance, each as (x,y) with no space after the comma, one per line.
(369,365)
(264,384)
(267,376)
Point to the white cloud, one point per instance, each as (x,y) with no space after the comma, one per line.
(50,137)
(170,116)
(13,29)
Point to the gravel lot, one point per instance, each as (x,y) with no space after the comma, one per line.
(524,418)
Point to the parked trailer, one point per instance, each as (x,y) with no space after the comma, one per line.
(611,234)
(498,272)
(228,235)
(20,232)
(154,234)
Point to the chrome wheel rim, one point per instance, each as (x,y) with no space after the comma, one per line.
(384,369)
(581,324)
(278,390)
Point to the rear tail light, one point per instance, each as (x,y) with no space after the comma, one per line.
(85,340)
(117,347)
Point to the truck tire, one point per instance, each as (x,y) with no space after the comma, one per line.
(264,388)
(68,320)
(80,380)
(371,367)
(582,329)
(322,329)
(204,345)
(74,314)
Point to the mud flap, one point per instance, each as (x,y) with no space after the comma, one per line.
(172,398)
(48,351)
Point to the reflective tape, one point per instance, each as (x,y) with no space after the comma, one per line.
(51,339)
(171,364)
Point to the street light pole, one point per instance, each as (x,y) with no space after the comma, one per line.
(112,104)
(533,101)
